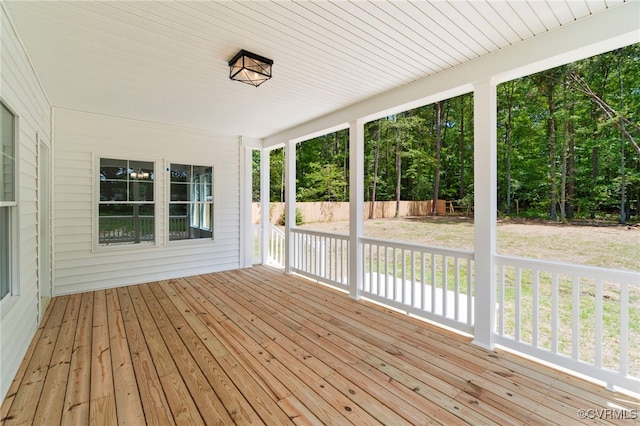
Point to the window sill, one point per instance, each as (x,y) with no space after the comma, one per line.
(7,303)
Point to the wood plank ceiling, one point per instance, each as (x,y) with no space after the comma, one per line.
(166,62)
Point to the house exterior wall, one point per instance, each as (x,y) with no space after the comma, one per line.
(20,90)
(81,139)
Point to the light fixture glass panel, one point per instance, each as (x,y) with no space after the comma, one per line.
(250,68)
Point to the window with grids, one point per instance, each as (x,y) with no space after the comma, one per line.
(7,197)
(126,210)
(190,202)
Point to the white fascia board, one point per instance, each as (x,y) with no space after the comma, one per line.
(614,28)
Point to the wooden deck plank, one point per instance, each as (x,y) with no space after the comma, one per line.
(128,402)
(255,346)
(51,403)
(26,399)
(234,362)
(154,403)
(312,390)
(102,409)
(183,408)
(78,393)
(294,324)
(207,402)
(441,404)
(22,370)
(199,340)
(340,393)
(352,384)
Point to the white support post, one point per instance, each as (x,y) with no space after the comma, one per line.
(246,227)
(265,203)
(485,208)
(290,203)
(356,205)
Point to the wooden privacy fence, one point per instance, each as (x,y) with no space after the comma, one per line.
(328,211)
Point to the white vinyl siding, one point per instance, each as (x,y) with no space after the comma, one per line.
(20,90)
(81,140)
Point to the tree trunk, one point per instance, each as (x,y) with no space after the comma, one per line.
(571,189)
(563,175)
(376,162)
(436,180)
(594,177)
(552,149)
(461,148)
(623,183)
(398,171)
(507,137)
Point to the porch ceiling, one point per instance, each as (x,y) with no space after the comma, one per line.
(166,62)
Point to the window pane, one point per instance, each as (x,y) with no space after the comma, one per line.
(126,223)
(7,156)
(140,191)
(179,191)
(141,170)
(113,169)
(130,182)
(178,222)
(5,267)
(206,215)
(192,187)
(113,190)
(180,173)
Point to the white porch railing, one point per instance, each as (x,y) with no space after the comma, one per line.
(257,243)
(583,318)
(276,247)
(322,256)
(430,282)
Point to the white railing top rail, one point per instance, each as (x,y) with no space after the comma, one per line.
(631,277)
(463,254)
(320,233)
(277,230)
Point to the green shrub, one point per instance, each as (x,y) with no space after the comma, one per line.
(299,218)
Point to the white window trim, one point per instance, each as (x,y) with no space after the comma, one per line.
(95,207)
(167,201)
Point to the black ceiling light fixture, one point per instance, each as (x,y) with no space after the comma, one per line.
(250,68)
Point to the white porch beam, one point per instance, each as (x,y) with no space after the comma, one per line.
(290,203)
(485,211)
(617,27)
(356,205)
(265,202)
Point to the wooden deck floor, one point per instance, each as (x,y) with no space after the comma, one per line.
(258,347)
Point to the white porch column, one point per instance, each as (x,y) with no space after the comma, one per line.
(246,227)
(356,205)
(265,202)
(290,206)
(485,207)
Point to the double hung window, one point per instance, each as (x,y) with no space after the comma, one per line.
(126,210)
(7,197)
(190,202)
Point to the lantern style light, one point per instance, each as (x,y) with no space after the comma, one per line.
(250,68)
